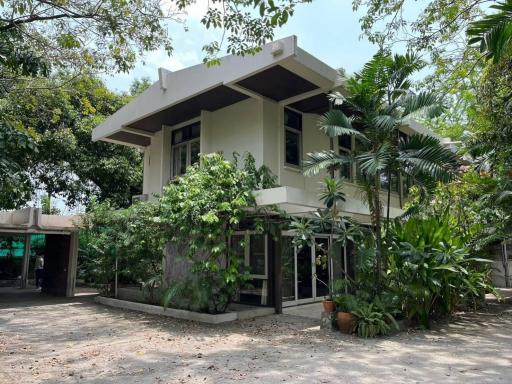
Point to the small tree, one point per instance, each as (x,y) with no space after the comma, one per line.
(200,211)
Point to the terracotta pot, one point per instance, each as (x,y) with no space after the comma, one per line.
(328,306)
(345,322)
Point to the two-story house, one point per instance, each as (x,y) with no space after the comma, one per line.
(267,104)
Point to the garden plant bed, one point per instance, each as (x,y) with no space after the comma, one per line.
(239,312)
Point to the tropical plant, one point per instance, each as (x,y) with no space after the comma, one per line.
(346,302)
(378,103)
(200,212)
(493,33)
(431,270)
(372,321)
(129,238)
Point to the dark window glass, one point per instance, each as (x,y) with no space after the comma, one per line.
(257,255)
(177,136)
(194,152)
(346,171)
(292,148)
(345,142)
(394,182)
(384,182)
(292,119)
(186,133)
(288,268)
(407,184)
(195,131)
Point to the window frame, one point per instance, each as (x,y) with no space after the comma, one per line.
(188,143)
(247,251)
(345,150)
(296,131)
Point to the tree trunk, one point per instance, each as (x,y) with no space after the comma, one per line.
(378,231)
(331,147)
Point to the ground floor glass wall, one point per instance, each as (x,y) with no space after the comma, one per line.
(306,272)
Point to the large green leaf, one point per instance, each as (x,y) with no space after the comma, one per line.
(317,161)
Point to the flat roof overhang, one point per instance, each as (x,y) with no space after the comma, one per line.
(32,221)
(281,72)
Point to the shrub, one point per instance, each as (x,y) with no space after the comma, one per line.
(131,235)
(372,321)
(430,269)
(200,211)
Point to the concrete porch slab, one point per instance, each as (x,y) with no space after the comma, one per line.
(310,311)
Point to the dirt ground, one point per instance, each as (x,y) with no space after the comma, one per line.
(47,340)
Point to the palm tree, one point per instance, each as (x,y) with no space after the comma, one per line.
(493,33)
(378,102)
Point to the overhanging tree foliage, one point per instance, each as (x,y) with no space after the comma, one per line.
(67,163)
(109,36)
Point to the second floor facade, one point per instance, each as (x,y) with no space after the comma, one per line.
(267,105)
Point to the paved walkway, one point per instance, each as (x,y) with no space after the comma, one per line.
(48,340)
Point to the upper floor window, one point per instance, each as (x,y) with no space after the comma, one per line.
(185,148)
(385,182)
(293,137)
(345,148)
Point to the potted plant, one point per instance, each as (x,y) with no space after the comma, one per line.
(345,304)
(334,288)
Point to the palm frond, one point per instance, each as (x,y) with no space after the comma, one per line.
(493,33)
(317,161)
(385,122)
(503,195)
(336,123)
(425,154)
(373,162)
(423,104)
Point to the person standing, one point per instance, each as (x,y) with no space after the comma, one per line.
(39,267)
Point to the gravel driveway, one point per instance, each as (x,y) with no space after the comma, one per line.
(77,341)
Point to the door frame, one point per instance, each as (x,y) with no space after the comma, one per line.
(314,297)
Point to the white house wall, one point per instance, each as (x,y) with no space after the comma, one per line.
(255,126)
(236,128)
(153,181)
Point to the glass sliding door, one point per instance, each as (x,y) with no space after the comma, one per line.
(299,268)
(304,273)
(288,269)
(322,267)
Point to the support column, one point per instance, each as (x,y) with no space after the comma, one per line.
(278,276)
(72,264)
(26,261)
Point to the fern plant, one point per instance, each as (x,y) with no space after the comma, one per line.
(372,321)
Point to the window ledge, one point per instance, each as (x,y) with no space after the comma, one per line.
(293,168)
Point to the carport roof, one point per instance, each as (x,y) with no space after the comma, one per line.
(32,221)
(281,71)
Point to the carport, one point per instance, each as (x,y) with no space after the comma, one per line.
(60,247)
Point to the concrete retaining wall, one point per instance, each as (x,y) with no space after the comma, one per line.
(170,312)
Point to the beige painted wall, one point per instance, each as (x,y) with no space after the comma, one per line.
(236,128)
(254,126)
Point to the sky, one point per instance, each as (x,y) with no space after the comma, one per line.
(327,29)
